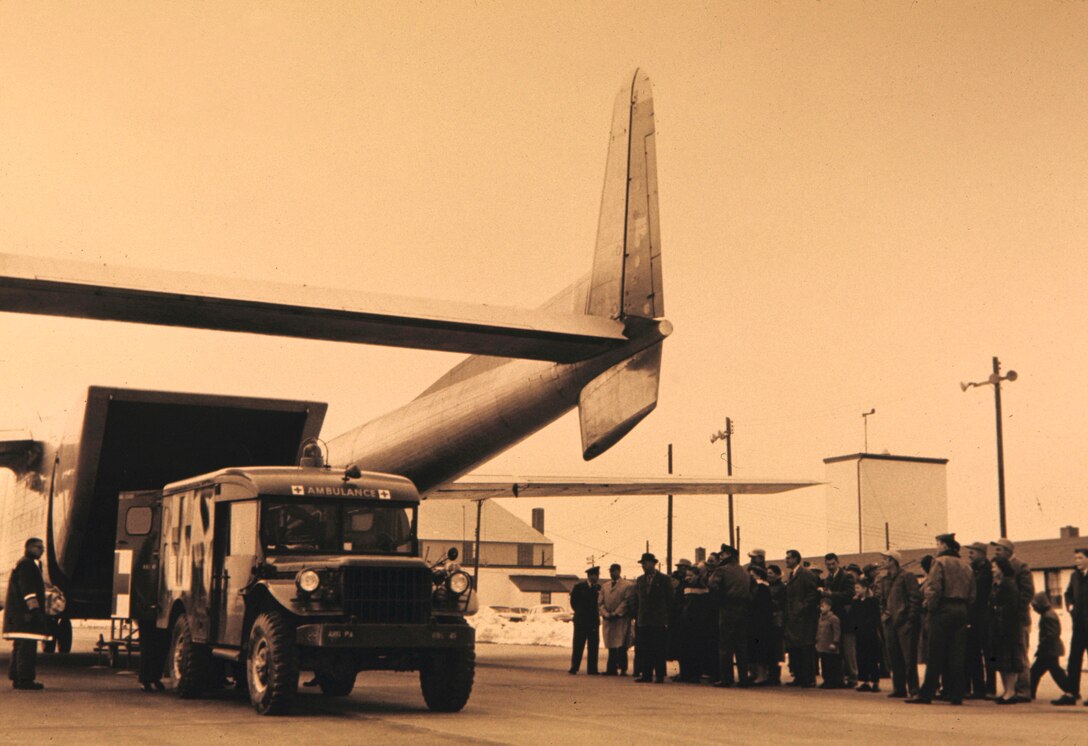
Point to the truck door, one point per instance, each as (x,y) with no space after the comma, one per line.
(235,550)
(136,555)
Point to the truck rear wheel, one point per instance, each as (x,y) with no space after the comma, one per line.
(190,663)
(446,679)
(272,664)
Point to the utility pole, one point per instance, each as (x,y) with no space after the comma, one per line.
(737,545)
(727,436)
(668,543)
(887,537)
(995,380)
(865,419)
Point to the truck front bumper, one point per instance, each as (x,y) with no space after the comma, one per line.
(386,636)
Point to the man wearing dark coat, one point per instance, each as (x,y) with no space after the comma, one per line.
(839,587)
(778,621)
(654,594)
(802,615)
(732,587)
(24,616)
(585,602)
(1025,590)
(1076,603)
(981,677)
(901,613)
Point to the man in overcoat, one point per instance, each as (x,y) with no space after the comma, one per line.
(615,620)
(24,616)
(732,587)
(802,615)
(654,593)
(901,614)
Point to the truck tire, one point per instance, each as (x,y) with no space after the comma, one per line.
(64,636)
(337,684)
(190,662)
(272,664)
(446,679)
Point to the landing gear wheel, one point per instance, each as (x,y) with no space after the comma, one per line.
(272,664)
(337,684)
(189,663)
(446,679)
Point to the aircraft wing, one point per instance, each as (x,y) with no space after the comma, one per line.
(85,290)
(485,488)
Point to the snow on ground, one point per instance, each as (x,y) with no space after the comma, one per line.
(492,628)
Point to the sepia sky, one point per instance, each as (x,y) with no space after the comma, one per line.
(861,204)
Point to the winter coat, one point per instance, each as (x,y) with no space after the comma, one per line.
(583,601)
(614,608)
(654,597)
(950,579)
(828,633)
(731,584)
(1050,635)
(841,589)
(802,608)
(1025,589)
(24,611)
(1076,595)
(760,630)
(1005,627)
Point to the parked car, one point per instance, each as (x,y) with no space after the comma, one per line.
(511,613)
(547,611)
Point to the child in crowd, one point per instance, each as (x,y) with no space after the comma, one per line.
(1050,649)
(865,612)
(828,645)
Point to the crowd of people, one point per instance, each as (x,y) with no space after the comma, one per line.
(967,618)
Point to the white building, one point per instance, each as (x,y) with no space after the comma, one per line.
(878,500)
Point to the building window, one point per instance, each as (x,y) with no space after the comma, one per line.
(525,555)
(545,597)
(1053,579)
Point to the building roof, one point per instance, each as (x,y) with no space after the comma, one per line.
(885,457)
(455,520)
(1039,554)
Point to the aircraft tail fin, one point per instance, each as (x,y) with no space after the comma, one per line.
(626,276)
(625,283)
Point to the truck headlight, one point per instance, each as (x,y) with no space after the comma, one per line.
(459,582)
(308,581)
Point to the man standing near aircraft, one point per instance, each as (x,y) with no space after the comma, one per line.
(585,602)
(24,617)
(654,593)
(615,621)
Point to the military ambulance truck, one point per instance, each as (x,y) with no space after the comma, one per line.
(260,573)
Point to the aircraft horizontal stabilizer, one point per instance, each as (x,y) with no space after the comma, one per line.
(485,488)
(85,290)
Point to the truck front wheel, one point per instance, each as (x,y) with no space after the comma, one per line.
(272,664)
(190,663)
(446,679)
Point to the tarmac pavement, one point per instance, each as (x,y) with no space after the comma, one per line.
(522,695)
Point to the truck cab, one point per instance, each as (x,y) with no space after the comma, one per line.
(264,572)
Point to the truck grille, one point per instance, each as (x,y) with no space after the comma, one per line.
(387,595)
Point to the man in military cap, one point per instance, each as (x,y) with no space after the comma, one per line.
(757,558)
(24,616)
(654,596)
(981,676)
(585,602)
(1025,591)
(949,590)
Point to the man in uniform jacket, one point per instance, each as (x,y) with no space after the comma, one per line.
(1025,589)
(949,590)
(1076,602)
(732,587)
(901,613)
(654,594)
(981,677)
(24,616)
(615,620)
(802,615)
(585,602)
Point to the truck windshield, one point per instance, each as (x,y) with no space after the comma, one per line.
(337,527)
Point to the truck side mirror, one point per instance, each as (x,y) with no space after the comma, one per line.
(452,554)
